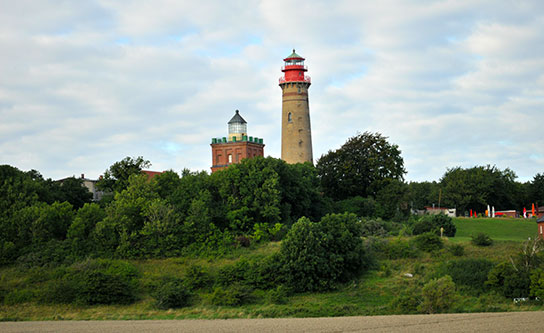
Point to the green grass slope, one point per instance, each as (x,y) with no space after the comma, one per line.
(499,229)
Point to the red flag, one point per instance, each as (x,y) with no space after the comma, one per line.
(524,213)
(533,210)
(471,213)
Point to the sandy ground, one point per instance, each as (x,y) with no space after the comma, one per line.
(473,322)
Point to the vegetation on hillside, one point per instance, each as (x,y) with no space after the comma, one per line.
(264,235)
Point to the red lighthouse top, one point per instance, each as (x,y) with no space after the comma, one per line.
(294,69)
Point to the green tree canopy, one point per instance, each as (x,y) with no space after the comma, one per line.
(359,166)
(479,186)
(116,177)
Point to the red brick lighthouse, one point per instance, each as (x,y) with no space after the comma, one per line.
(237,146)
(296,133)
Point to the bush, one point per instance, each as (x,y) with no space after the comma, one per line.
(18,296)
(197,277)
(398,249)
(50,254)
(60,290)
(443,221)
(438,295)
(172,294)
(508,281)
(457,250)
(379,228)
(99,281)
(234,273)
(537,284)
(260,272)
(481,239)
(407,302)
(433,223)
(243,241)
(357,205)
(316,256)
(428,242)
(235,295)
(278,295)
(422,226)
(471,273)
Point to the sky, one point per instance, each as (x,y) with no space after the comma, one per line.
(84,84)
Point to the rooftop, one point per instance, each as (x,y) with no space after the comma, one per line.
(237,119)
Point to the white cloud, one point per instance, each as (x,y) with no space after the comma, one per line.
(83,85)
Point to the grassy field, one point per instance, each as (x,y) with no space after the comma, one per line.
(499,229)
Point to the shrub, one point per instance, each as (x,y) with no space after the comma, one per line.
(471,273)
(407,302)
(357,205)
(243,241)
(101,281)
(49,254)
(379,228)
(481,239)
(197,277)
(18,296)
(60,290)
(457,250)
(428,242)
(172,294)
(233,296)
(537,284)
(234,273)
(399,249)
(438,295)
(260,272)
(433,223)
(8,252)
(443,221)
(316,256)
(278,295)
(422,226)
(508,281)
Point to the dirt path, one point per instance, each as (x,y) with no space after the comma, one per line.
(442,323)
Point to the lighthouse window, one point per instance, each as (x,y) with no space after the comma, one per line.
(289,117)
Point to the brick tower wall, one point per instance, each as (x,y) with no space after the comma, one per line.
(237,150)
(296,134)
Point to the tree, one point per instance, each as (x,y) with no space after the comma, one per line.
(438,295)
(73,191)
(421,195)
(316,256)
(358,167)
(18,189)
(81,229)
(390,199)
(536,189)
(116,177)
(477,187)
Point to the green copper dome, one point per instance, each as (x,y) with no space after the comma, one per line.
(294,55)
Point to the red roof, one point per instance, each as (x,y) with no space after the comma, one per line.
(151,174)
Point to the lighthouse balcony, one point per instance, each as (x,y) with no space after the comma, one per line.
(298,67)
(305,79)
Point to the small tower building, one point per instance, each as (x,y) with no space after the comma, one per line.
(296,133)
(237,146)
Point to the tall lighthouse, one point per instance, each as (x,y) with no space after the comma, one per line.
(296,133)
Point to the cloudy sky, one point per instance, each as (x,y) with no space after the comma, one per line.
(84,84)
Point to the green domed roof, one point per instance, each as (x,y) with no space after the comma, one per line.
(294,55)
